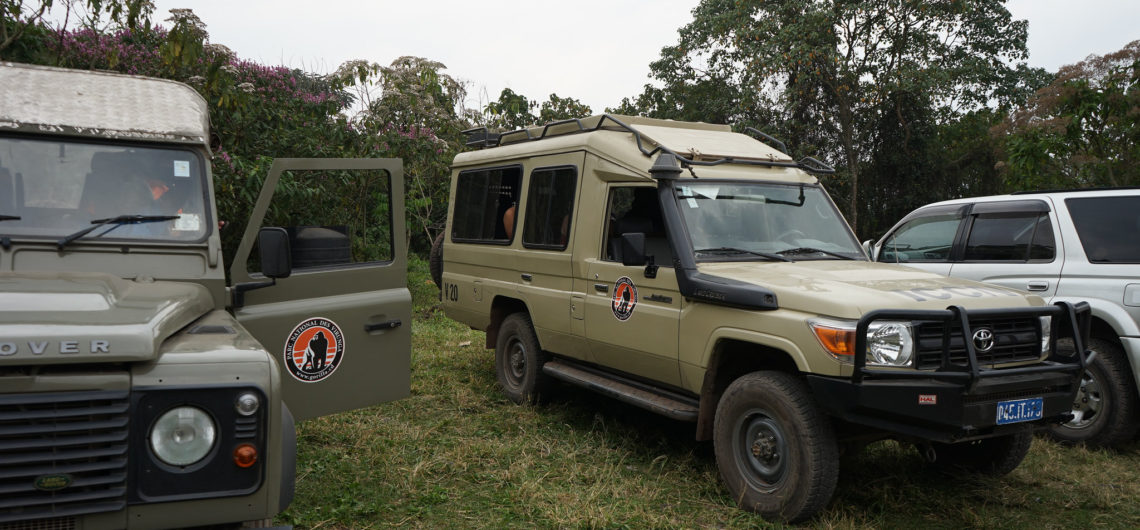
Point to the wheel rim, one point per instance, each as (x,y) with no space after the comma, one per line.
(516,362)
(761,450)
(1089,402)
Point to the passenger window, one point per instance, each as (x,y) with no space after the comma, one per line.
(636,210)
(1005,238)
(333,218)
(549,204)
(486,204)
(1044,247)
(927,239)
(1107,227)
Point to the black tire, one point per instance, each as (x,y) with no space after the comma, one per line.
(518,361)
(435,261)
(775,449)
(1106,404)
(996,456)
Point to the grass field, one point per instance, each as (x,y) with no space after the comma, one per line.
(457,454)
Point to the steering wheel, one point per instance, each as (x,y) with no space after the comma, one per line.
(786,236)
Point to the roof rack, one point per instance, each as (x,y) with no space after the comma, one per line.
(481,138)
(1108,188)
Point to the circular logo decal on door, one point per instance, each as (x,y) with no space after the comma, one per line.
(314,349)
(624,298)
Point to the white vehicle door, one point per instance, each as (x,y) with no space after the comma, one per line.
(924,239)
(1012,243)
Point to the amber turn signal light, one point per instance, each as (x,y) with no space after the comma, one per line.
(245,455)
(838,342)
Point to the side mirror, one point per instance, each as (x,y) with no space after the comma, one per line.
(869,248)
(633,248)
(276,255)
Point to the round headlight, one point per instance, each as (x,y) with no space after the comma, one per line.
(183,436)
(247,404)
(890,344)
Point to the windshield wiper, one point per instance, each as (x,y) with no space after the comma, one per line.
(813,250)
(9,217)
(119,220)
(734,250)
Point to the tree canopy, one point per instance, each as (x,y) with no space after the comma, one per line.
(823,72)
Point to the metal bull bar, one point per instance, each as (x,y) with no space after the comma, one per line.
(1077,317)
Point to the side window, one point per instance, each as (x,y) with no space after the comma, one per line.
(549,204)
(486,204)
(1010,238)
(1044,247)
(926,239)
(333,218)
(636,210)
(1107,227)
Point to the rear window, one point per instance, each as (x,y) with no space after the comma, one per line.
(548,207)
(1107,227)
(486,201)
(1010,238)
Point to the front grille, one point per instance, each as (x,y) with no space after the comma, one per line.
(62,454)
(1015,340)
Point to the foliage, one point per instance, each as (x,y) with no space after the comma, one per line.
(419,118)
(823,69)
(1082,130)
(556,109)
(18,16)
(510,112)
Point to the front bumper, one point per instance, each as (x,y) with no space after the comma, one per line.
(957,402)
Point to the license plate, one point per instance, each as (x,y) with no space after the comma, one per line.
(1019,410)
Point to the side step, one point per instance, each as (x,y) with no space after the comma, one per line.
(662,402)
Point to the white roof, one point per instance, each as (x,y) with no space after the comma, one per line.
(78,102)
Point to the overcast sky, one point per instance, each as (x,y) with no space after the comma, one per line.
(597,51)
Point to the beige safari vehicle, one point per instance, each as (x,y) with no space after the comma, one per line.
(706,276)
(139,388)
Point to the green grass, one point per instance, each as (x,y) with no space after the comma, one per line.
(458,454)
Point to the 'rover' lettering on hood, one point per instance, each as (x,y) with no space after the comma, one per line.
(38,347)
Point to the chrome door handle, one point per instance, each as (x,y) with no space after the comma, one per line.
(527,277)
(1038,286)
(601,287)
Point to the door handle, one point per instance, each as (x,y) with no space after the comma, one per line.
(391,324)
(601,288)
(1038,286)
(527,277)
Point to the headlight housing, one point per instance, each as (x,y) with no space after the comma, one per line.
(1046,334)
(183,436)
(889,343)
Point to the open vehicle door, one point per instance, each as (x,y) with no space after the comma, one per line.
(338,320)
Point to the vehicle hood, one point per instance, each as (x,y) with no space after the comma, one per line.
(848,289)
(57,318)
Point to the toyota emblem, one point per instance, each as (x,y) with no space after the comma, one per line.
(984,340)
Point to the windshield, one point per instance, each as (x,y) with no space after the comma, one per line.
(53,189)
(747,220)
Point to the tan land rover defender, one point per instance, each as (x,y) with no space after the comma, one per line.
(704,275)
(137,388)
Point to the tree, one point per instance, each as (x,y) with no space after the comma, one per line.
(19,16)
(510,112)
(830,64)
(556,108)
(1081,130)
(419,118)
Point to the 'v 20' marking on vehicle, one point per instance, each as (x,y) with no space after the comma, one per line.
(314,350)
(624,299)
